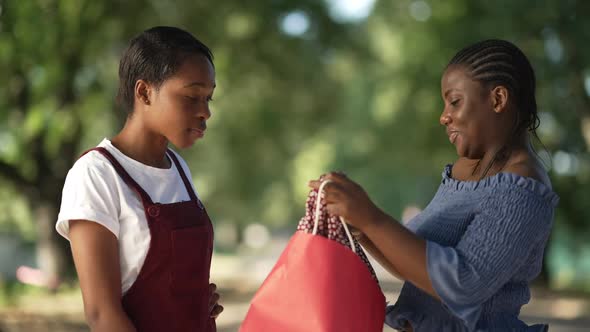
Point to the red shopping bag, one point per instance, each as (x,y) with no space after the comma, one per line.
(317,285)
(329,226)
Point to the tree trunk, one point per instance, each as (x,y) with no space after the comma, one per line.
(53,255)
(585,123)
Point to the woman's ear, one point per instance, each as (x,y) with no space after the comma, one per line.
(142,92)
(499,98)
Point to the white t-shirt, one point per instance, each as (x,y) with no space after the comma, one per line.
(94,191)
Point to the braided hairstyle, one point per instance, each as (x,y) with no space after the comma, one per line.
(495,62)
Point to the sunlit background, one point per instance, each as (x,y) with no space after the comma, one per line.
(304,86)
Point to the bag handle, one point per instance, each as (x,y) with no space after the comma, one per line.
(318,206)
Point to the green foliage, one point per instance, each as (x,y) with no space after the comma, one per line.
(360,97)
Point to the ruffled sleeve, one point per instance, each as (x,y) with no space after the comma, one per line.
(514,217)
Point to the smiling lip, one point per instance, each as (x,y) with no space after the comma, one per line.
(453,134)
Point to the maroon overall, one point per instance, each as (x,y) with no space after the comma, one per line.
(171,292)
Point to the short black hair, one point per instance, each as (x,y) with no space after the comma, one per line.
(154,56)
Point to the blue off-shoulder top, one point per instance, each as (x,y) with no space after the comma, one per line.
(485,243)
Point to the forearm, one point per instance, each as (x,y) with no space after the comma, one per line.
(370,247)
(401,249)
(109,320)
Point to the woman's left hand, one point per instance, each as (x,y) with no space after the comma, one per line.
(214,308)
(348,200)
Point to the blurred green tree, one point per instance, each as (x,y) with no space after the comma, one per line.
(54,94)
(59,61)
(300,91)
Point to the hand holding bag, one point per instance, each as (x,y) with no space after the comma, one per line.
(317,285)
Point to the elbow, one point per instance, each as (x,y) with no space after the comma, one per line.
(98,316)
(94,315)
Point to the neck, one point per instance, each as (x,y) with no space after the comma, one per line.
(139,143)
(500,156)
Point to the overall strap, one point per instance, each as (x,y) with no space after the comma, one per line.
(145,198)
(187,183)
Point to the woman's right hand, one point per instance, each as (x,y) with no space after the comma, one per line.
(214,307)
(96,257)
(348,200)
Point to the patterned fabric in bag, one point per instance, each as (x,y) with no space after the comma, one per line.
(332,228)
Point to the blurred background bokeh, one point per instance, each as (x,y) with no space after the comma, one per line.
(304,86)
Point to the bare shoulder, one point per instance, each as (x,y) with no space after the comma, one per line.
(530,168)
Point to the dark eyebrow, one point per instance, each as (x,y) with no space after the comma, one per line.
(200,84)
(450,90)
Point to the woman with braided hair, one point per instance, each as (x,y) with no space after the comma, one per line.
(468,258)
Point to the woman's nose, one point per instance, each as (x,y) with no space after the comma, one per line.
(445,119)
(205,112)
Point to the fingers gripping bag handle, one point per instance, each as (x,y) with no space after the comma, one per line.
(316,219)
(317,284)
